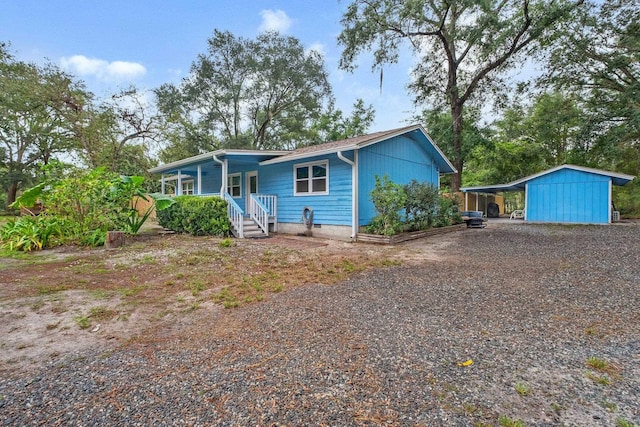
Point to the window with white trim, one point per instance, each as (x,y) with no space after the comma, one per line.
(311,178)
(233,185)
(187,187)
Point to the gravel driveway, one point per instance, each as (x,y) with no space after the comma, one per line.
(545,317)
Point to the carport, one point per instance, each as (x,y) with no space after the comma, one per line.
(564,194)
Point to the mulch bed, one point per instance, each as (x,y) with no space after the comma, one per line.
(525,306)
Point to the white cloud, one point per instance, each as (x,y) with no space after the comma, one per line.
(275,20)
(103,70)
(318,47)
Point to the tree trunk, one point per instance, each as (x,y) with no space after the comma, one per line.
(115,239)
(11,193)
(458,160)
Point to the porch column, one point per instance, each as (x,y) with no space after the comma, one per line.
(477,204)
(223,167)
(199,180)
(466,201)
(179,184)
(162,186)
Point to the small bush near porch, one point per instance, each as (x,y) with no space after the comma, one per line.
(196,215)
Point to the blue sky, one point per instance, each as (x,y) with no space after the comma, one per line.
(111,44)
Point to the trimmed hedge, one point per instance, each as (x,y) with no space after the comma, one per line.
(196,215)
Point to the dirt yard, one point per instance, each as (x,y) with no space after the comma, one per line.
(59,302)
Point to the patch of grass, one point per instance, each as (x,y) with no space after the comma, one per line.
(556,407)
(101,313)
(51,289)
(227,298)
(597,363)
(99,293)
(621,422)
(522,389)
(128,292)
(599,379)
(609,406)
(226,243)
(37,305)
(508,422)
(196,287)
(51,326)
(148,259)
(277,287)
(82,321)
(387,262)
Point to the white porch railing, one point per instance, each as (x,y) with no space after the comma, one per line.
(236,215)
(259,213)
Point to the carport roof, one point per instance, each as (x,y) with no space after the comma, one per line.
(518,185)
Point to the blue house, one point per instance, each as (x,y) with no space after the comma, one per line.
(328,183)
(565,194)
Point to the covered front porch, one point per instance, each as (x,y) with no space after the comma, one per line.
(230,174)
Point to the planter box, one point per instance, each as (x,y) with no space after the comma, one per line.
(403,237)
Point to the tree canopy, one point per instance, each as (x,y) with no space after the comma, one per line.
(463,46)
(242,93)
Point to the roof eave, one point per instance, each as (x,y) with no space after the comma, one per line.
(206,156)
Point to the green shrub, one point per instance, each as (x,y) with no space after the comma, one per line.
(196,215)
(421,205)
(448,212)
(388,198)
(29,233)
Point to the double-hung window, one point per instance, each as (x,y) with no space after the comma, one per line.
(187,187)
(233,185)
(311,178)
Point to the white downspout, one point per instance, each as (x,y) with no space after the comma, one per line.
(526,200)
(199,180)
(354,191)
(610,201)
(223,164)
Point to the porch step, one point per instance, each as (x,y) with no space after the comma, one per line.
(252,230)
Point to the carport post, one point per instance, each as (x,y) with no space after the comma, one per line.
(162,185)
(179,186)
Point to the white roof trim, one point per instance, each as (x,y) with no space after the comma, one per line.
(210,154)
(334,150)
(307,155)
(574,167)
(518,183)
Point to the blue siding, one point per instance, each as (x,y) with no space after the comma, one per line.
(211,178)
(402,159)
(331,209)
(569,196)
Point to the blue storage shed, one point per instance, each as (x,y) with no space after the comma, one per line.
(565,194)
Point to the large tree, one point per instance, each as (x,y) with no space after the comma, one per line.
(599,58)
(116,133)
(464,46)
(333,125)
(34,103)
(258,93)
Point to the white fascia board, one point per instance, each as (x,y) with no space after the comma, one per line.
(210,154)
(307,155)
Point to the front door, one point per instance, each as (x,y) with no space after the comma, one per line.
(251,180)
